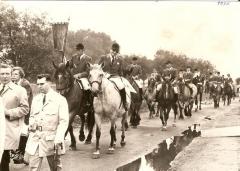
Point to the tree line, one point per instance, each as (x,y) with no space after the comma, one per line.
(27,40)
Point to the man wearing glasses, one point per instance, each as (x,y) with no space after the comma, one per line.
(48,123)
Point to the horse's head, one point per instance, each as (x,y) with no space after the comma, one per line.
(95,77)
(151,83)
(63,77)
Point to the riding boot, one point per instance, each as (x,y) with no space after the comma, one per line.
(141,93)
(19,159)
(123,97)
(87,94)
(156,96)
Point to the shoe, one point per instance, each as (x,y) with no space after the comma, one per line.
(19,159)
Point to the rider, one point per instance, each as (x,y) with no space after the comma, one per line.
(229,80)
(114,65)
(80,70)
(135,72)
(188,76)
(169,76)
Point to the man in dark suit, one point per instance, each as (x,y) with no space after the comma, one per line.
(18,78)
(114,66)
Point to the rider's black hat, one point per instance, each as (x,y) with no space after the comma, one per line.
(135,58)
(115,47)
(168,62)
(79,46)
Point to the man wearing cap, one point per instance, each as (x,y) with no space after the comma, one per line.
(188,76)
(229,80)
(135,72)
(114,66)
(80,70)
(169,75)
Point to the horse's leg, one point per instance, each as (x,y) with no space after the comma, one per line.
(70,130)
(91,122)
(175,114)
(113,136)
(166,115)
(181,113)
(162,115)
(124,117)
(196,103)
(96,154)
(158,110)
(73,140)
(81,131)
(200,101)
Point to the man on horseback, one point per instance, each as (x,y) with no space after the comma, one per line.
(114,66)
(135,72)
(80,70)
(169,76)
(229,80)
(188,76)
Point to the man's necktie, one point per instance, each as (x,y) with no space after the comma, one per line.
(44,99)
(2,89)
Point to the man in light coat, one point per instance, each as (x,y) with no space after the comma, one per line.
(48,123)
(15,104)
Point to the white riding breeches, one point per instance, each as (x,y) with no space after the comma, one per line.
(85,84)
(118,81)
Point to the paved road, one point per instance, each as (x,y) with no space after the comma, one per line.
(139,142)
(216,150)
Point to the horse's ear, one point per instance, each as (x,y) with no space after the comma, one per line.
(54,65)
(102,65)
(69,64)
(89,65)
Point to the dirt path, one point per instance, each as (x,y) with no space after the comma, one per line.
(139,142)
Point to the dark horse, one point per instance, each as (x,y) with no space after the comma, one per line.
(76,98)
(167,101)
(198,82)
(136,102)
(227,93)
(216,91)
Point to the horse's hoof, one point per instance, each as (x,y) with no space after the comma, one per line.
(157,115)
(72,148)
(111,150)
(174,125)
(195,110)
(123,143)
(181,118)
(164,128)
(96,155)
(134,126)
(88,142)
(81,137)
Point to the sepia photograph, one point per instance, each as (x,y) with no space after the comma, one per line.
(119,85)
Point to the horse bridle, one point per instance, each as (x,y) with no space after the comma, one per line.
(99,84)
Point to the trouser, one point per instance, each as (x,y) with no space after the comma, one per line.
(4,165)
(35,162)
(22,143)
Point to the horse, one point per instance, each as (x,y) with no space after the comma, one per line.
(216,91)
(149,95)
(136,102)
(185,101)
(107,104)
(69,87)
(198,82)
(167,100)
(227,93)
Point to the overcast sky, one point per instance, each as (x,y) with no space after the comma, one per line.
(198,29)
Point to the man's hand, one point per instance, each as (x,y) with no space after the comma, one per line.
(58,145)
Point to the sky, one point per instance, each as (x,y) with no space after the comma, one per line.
(199,29)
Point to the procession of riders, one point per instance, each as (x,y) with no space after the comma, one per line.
(116,70)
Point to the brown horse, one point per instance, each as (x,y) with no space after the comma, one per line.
(76,98)
(227,93)
(136,102)
(167,101)
(216,91)
(185,102)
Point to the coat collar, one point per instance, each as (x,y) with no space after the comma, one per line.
(49,97)
(9,85)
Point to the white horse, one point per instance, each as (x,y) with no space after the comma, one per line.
(107,104)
